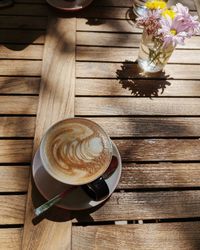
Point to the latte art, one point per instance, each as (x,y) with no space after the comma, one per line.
(77,151)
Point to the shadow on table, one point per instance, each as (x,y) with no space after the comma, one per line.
(141,84)
(59,214)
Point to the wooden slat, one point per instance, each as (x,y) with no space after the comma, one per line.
(13,151)
(113,70)
(12,209)
(106,25)
(19,85)
(17,52)
(159,149)
(18,104)
(129,3)
(14,178)
(23,22)
(162,175)
(10,238)
(197,5)
(136,106)
(147,205)
(20,68)
(26,9)
(145,87)
(124,40)
(57,96)
(167,236)
(22,37)
(131,54)
(149,127)
(107,12)
(121,3)
(17,126)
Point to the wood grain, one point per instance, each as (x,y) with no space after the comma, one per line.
(57,96)
(18,104)
(10,238)
(107,12)
(19,85)
(107,25)
(159,149)
(17,126)
(129,3)
(109,106)
(173,236)
(140,87)
(14,178)
(131,70)
(22,37)
(26,9)
(30,52)
(12,209)
(15,151)
(23,22)
(109,54)
(20,68)
(149,127)
(123,40)
(162,175)
(146,205)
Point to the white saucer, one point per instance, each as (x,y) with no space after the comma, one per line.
(76,199)
(69,5)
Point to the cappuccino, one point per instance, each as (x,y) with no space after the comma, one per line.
(76,151)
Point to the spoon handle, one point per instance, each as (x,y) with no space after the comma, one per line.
(44,207)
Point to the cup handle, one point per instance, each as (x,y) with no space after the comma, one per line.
(97,190)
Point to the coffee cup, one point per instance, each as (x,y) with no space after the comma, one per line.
(78,152)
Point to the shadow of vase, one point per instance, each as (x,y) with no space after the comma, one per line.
(139,83)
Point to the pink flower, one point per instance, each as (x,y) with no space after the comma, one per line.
(172,31)
(150,21)
(189,22)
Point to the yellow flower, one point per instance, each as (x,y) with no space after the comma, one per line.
(155,4)
(169,13)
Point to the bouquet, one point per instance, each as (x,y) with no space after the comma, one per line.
(164,28)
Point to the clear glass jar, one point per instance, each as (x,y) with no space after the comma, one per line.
(152,56)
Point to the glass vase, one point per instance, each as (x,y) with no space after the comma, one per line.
(152,56)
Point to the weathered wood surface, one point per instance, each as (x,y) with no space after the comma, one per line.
(109,54)
(109,106)
(146,205)
(10,238)
(18,104)
(14,178)
(19,85)
(123,40)
(140,87)
(20,68)
(15,151)
(30,52)
(159,149)
(130,70)
(23,22)
(57,98)
(162,175)
(17,126)
(165,236)
(22,37)
(12,209)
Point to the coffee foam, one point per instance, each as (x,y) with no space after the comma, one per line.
(77,151)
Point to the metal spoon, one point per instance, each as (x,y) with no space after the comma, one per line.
(44,207)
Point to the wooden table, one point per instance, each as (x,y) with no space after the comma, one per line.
(84,65)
